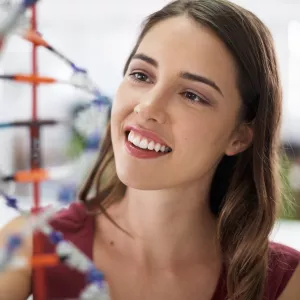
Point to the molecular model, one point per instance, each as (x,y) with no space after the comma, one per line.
(92,119)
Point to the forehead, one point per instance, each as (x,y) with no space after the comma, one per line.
(181,44)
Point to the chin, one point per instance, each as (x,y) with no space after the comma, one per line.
(140,180)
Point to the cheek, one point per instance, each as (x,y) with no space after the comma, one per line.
(119,108)
(204,135)
(122,108)
(123,103)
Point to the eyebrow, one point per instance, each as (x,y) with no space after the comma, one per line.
(146,59)
(184,75)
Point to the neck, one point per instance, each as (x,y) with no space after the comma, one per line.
(170,227)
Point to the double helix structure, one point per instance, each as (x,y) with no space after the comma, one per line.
(21,19)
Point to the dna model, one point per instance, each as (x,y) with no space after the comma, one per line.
(91,120)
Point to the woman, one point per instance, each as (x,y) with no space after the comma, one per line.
(187,176)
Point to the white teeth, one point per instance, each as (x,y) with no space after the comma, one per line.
(136,141)
(151,145)
(143,143)
(130,136)
(157,147)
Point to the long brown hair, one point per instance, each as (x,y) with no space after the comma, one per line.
(245,189)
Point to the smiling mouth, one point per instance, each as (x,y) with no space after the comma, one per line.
(146,144)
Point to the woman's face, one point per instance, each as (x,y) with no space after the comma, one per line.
(176,111)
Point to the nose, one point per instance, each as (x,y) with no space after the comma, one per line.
(152,109)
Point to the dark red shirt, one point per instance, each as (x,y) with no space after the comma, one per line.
(78,227)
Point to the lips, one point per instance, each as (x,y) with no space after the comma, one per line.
(144,144)
(147,134)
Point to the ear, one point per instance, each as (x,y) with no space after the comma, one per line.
(241,139)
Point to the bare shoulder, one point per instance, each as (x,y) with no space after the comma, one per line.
(292,290)
(14,224)
(21,278)
(285,271)
(13,227)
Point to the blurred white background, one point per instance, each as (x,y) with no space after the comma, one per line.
(99,35)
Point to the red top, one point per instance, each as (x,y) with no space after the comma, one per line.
(78,227)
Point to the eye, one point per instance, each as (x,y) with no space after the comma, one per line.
(140,76)
(190,96)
